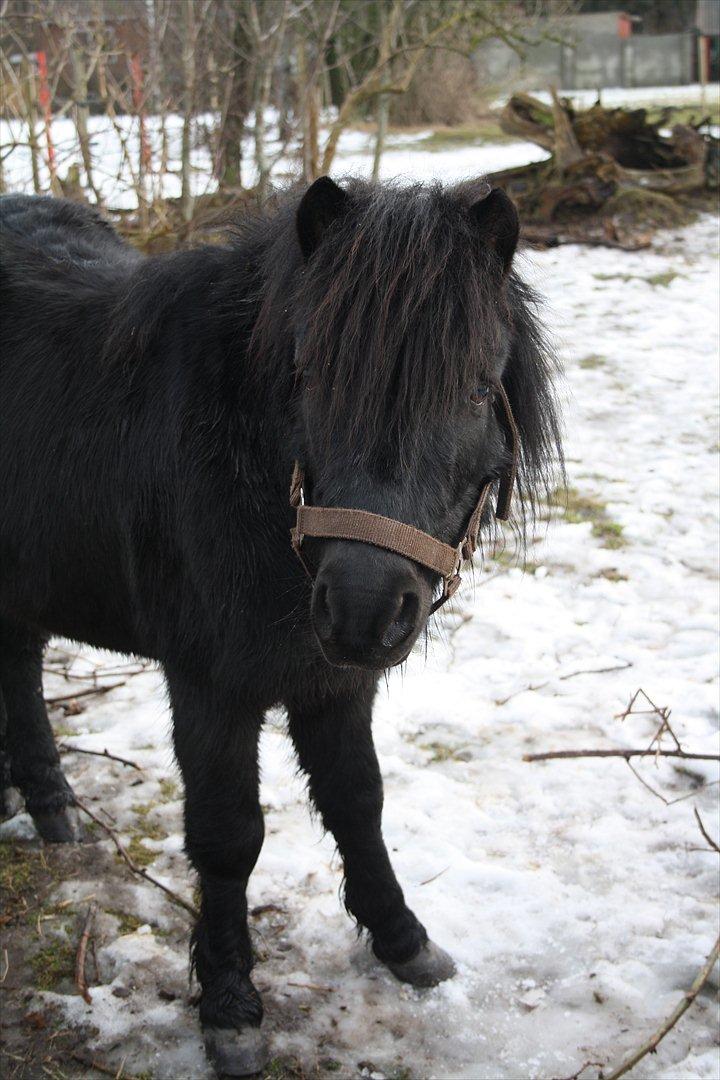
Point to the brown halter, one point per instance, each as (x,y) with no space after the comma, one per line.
(338,523)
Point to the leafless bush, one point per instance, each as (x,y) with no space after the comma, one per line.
(444,90)
(157,108)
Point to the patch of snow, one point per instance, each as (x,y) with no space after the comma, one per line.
(614,96)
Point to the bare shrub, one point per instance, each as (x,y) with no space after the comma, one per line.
(445,90)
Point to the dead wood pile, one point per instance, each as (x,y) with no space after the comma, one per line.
(613,177)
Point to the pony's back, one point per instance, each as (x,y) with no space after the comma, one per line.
(59,229)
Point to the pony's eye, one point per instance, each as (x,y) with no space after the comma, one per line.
(480,394)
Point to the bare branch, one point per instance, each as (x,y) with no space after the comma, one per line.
(89,692)
(683,1005)
(99,753)
(175,897)
(80,980)
(704,831)
(626,754)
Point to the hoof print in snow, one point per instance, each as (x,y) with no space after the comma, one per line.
(431,966)
(236,1051)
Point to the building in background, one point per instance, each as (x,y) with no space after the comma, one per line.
(611,47)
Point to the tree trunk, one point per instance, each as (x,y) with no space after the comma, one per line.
(262,101)
(313,114)
(228,166)
(383,107)
(188,59)
(567,148)
(308,94)
(82,113)
(27,96)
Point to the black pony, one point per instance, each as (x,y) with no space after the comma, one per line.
(152,410)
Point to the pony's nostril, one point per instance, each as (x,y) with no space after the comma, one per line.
(403,622)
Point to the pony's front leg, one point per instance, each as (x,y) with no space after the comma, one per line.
(333,739)
(217,749)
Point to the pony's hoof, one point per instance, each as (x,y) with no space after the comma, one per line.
(11,803)
(432,965)
(236,1051)
(59,826)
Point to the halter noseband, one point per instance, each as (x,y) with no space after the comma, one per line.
(331,522)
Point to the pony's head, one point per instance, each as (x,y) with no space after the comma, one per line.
(406,317)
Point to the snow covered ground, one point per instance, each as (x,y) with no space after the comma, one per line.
(577,904)
(115,145)
(638,96)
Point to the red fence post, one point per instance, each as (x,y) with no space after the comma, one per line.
(136,73)
(45,100)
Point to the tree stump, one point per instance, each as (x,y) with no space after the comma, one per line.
(612,177)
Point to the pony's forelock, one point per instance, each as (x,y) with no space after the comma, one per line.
(400,312)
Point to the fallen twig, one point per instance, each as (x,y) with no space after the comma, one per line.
(683,1005)
(92,1063)
(596,671)
(563,678)
(550,755)
(99,753)
(435,876)
(175,897)
(312,986)
(704,831)
(84,693)
(128,670)
(581,1070)
(80,980)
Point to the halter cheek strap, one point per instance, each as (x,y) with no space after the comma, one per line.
(330,522)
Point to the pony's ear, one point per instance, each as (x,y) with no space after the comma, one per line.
(322,203)
(499,225)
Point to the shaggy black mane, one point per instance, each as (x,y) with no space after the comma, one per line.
(404,316)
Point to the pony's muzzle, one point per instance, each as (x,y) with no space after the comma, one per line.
(368,606)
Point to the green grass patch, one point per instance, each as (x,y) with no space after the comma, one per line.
(284,1069)
(62,731)
(610,573)
(151,830)
(17,868)
(578,508)
(615,277)
(590,363)
(687,114)
(485,130)
(656,280)
(662,280)
(140,855)
(168,790)
(508,558)
(609,533)
(128,923)
(442,752)
(54,963)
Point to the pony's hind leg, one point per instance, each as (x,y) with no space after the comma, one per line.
(29,746)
